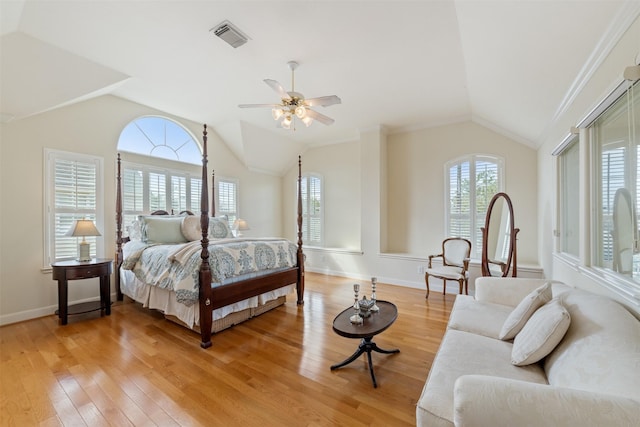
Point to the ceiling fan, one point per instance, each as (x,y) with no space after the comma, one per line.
(293,104)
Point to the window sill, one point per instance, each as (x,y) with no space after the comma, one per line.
(333,250)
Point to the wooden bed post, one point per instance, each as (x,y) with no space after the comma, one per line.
(119,257)
(300,257)
(206,307)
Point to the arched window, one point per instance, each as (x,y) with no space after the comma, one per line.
(471,182)
(148,187)
(160,137)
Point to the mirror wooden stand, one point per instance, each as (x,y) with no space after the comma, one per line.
(499,254)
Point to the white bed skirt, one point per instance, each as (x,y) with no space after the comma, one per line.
(165,301)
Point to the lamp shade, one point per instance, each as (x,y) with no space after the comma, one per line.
(83,227)
(240,224)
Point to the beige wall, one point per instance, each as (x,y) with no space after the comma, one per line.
(339,166)
(416,185)
(400,184)
(90,127)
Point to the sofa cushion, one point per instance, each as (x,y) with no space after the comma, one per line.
(464,353)
(541,334)
(523,311)
(601,349)
(478,317)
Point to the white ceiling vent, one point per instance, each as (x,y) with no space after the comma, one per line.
(230,33)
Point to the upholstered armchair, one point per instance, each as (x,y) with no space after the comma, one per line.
(455,264)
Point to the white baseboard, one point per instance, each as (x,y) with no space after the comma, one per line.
(22,316)
(381,279)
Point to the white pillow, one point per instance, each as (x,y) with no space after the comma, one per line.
(190,228)
(541,334)
(524,310)
(162,229)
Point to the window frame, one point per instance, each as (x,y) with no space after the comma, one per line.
(623,286)
(599,220)
(306,216)
(573,142)
(475,233)
(50,210)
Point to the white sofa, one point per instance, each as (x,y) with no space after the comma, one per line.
(591,378)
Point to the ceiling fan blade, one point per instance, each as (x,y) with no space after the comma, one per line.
(278,88)
(323,101)
(259,105)
(320,117)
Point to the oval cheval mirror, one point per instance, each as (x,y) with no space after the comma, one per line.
(499,255)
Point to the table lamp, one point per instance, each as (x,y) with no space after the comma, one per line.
(83,227)
(240,225)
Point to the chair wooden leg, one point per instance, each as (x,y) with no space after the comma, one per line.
(426,279)
(444,286)
(466,286)
(460,286)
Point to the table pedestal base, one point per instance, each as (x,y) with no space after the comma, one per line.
(366,345)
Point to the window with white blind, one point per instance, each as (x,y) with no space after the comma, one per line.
(617,169)
(312,209)
(470,183)
(146,189)
(227,203)
(73,191)
(569,199)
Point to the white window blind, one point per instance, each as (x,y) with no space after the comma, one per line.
(73,191)
(569,198)
(312,209)
(145,190)
(178,193)
(195,193)
(157,191)
(227,195)
(471,183)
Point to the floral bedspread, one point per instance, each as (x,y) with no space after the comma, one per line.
(176,267)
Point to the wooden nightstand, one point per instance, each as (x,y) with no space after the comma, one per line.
(63,271)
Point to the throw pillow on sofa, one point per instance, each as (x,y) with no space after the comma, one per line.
(523,311)
(541,334)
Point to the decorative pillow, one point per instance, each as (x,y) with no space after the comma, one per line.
(162,229)
(541,334)
(190,228)
(524,310)
(134,231)
(219,228)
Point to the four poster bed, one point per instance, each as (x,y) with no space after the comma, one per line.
(198,275)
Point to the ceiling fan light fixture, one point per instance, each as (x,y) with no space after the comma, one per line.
(286,122)
(300,111)
(294,105)
(307,121)
(277,113)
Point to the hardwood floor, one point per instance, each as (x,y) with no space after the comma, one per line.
(136,368)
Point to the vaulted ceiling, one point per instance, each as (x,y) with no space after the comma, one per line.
(512,66)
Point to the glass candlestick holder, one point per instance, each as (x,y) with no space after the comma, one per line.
(356,319)
(374,308)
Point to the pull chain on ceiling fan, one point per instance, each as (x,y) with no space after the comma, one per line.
(293,104)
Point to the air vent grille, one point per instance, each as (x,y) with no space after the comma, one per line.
(230,34)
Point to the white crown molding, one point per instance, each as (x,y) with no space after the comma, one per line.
(627,14)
